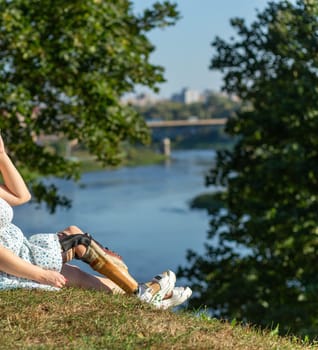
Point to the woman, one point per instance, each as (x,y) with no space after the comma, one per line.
(41,260)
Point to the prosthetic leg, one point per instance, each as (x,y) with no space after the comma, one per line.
(100,259)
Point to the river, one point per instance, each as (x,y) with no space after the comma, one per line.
(140,212)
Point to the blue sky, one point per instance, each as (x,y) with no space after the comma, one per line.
(185,50)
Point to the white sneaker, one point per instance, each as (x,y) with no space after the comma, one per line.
(179,296)
(166,281)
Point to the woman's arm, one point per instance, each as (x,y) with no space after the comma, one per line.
(14,265)
(14,190)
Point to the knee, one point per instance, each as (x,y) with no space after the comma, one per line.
(72,229)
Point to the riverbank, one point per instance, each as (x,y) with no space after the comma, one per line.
(146,155)
(131,157)
(77,319)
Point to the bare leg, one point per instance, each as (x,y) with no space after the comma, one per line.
(79,278)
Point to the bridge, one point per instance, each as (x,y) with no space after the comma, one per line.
(177,126)
(186,122)
(153,124)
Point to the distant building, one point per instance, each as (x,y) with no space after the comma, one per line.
(142,99)
(187,96)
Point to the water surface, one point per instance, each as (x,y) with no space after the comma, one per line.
(141,212)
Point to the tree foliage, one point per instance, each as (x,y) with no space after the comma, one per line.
(64,66)
(260,263)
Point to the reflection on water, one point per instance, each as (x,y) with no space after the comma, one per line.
(140,212)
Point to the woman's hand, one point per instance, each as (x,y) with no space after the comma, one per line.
(12,264)
(52,278)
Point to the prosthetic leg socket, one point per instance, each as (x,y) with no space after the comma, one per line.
(100,259)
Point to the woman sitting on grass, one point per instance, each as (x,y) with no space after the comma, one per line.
(41,260)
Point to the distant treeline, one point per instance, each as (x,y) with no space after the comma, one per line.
(214,105)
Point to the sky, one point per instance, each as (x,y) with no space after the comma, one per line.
(185,51)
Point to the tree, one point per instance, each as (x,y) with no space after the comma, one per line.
(260,262)
(64,66)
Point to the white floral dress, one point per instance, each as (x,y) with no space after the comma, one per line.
(41,249)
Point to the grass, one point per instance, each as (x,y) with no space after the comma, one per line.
(78,319)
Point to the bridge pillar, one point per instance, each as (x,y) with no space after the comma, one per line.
(166,146)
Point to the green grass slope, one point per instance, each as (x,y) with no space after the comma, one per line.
(78,319)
